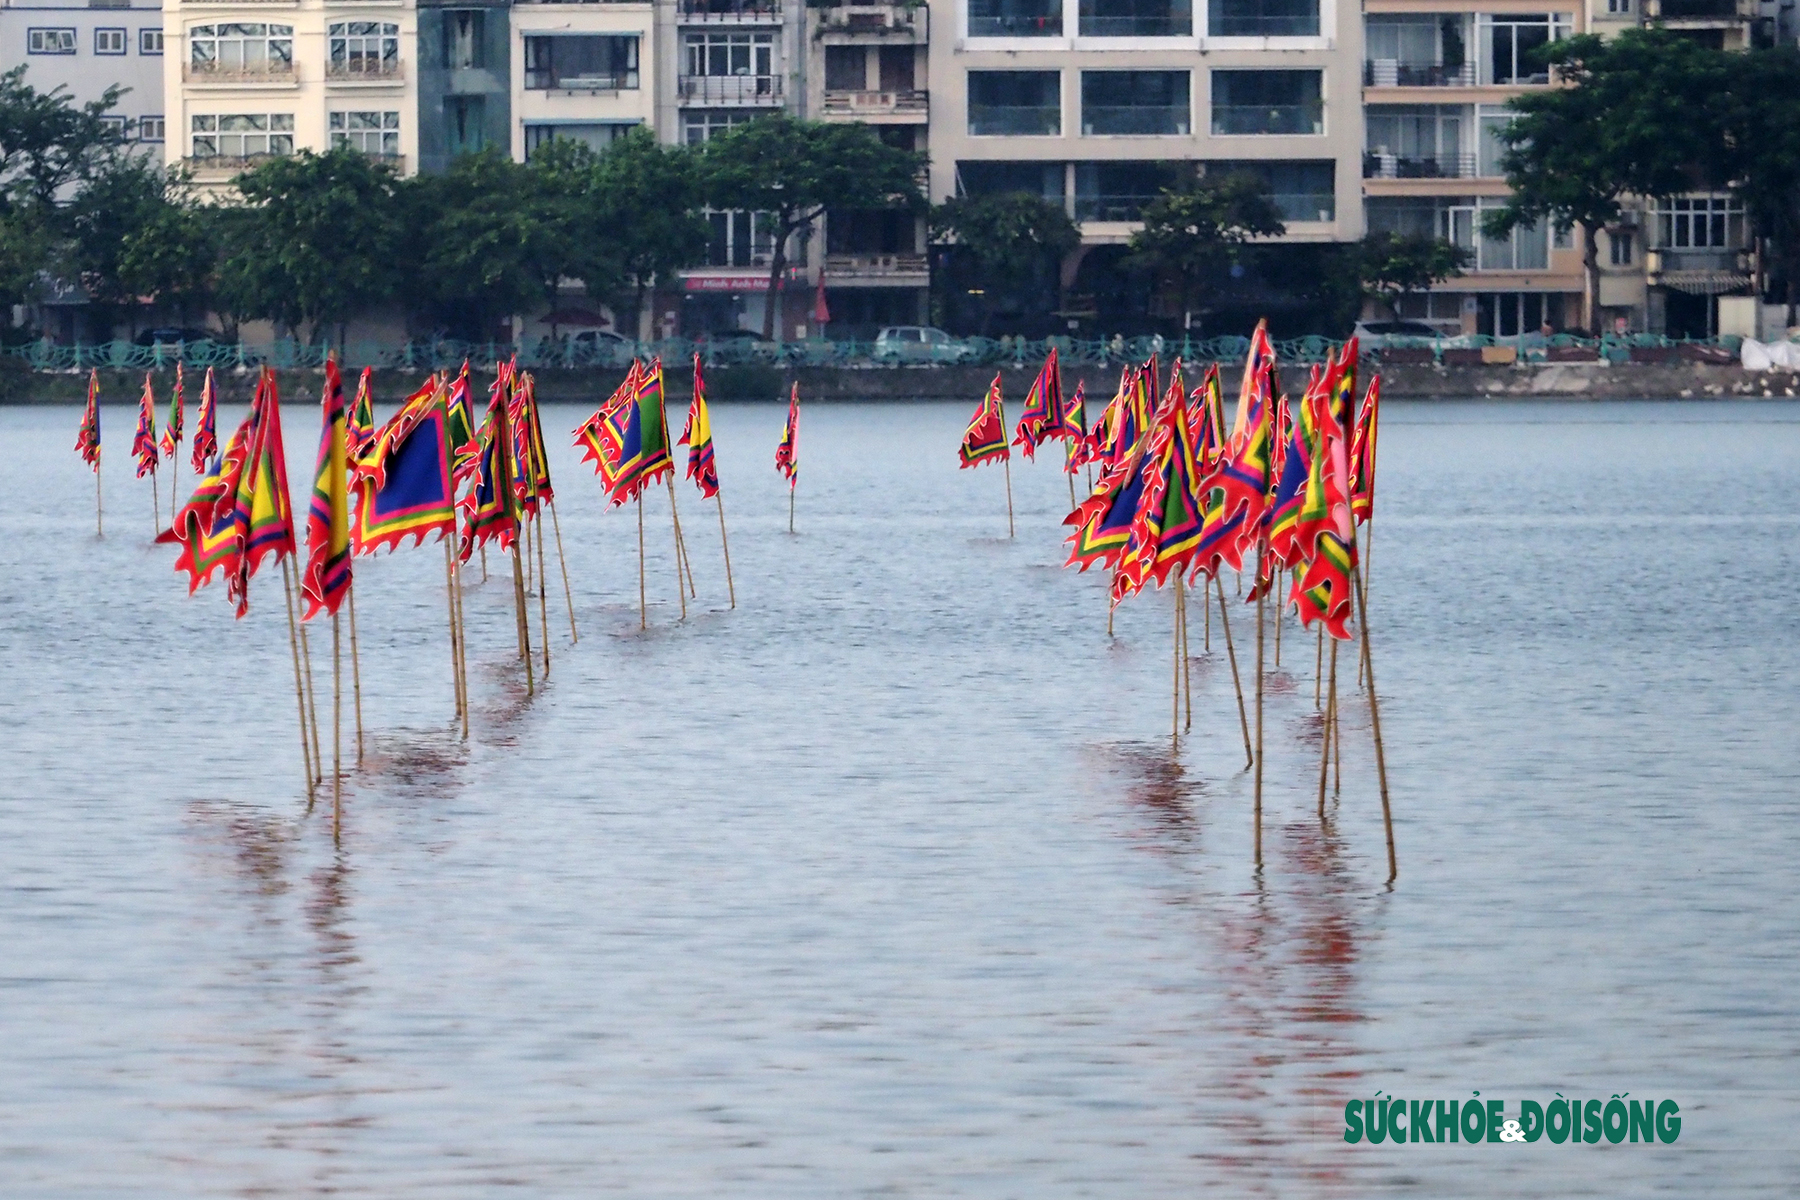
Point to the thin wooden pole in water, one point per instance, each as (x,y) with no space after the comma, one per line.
(450,602)
(1187,675)
(1207,610)
(1006,462)
(790,506)
(1319,664)
(543,593)
(725,544)
(1262,595)
(174,487)
(568,596)
(355,672)
(462,641)
(1368,552)
(1362,617)
(643,609)
(155,506)
(484,575)
(337,736)
(312,695)
(1325,745)
(99,522)
(299,690)
(1175,661)
(1237,683)
(1280,615)
(524,618)
(680,584)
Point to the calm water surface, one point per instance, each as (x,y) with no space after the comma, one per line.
(889,882)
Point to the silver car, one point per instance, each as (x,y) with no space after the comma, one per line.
(918,343)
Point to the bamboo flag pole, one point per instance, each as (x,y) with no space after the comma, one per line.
(524,618)
(1175,662)
(543,593)
(337,736)
(1006,462)
(725,544)
(1237,683)
(643,610)
(568,596)
(155,506)
(1207,610)
(450,598)
(1368,549)
(462,642)
(1319,664)
(312,695)
(1187,675)
(680,586)
(1068,457)
(299,689)
(1362,619)
(174,486)
(1262,596)
(1280,615)
(1337,749)
(791,505)
(484,576)
(99,523)
(1325,745)
(355,672)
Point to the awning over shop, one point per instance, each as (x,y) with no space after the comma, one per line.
(1703,283)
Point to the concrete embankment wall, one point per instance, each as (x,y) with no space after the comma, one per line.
(1574,381)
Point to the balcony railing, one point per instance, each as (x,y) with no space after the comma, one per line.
(1691,10)
(1236,119)
(740,12)
(213,164)
(731,90)
(1388,72)
(1111,208)
(1134,120)
(1306,206)
(851,266)
(1045,24)
(873,104)
(1014,120)
(1394,166)
(365,70)
(263,72)
(1171,24)
(557,81)
(880,20)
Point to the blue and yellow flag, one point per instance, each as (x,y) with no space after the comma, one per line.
(697,433)
(404,487)
(325,581)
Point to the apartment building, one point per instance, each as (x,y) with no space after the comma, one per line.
(1099,104)
(88,47)
(250,79)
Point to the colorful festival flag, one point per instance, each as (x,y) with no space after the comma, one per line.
(359,424)
(1362,454)
(540,456)
(325,580)
(787,451)
(205,527)
(1245,467)
(143,442)
(1072,428)
(1103,521)
(87,438)
(206,424)
(489,513)
(1041,417)
(1296,465)
(1166,528)
(1323,591)
(985,438)
(171,434)
(262,509)
(591,435)
(697,434)
(459,422)
(404,486)
(634,442)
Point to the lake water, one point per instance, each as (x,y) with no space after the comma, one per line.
(890,882)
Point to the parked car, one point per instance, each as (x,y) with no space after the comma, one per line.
(173,336)
(918,343)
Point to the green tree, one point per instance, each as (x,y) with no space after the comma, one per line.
(790,171)
(321,240)
(1391,265)
(1011,239)
(1191,234)
(173,255)
(1761,154)
(109,209)
(1638,116)
(649,210)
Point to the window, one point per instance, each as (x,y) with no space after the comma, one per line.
(1267,102)
(241,49)
(466,117)
(362,48)
(1003,178)
(1135,102)
(1415,142)
(1618,6)
(374,133)
(1526,248)
(1700,223)
(465,39)
(113,126)
(1417,51)
(738,239)
(1511,47)
(587,63)
(698,127)
(151,129)
(1509,314)
(1015,18)
(1025,103)
(596,136)
(846,69)
(50,41)
(732,66)
(1619,240)
(109,41)
(150,41)
(1136,18)
(1491,121)
(241,136)
(1118,191)
(1303,191)
(1263,18)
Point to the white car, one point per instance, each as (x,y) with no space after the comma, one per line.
(918,343)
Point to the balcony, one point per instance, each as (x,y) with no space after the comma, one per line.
(269,73)
(915,103)
(729,91)
(1015,18)
(1698,10)
(877,268)
(214,166)
(1393,166)
(729,12)
(1014,120)
(1236,120)
(1134,120)
(882,22)
(1135,18)
(551,80)
(365,70)
(1388,72)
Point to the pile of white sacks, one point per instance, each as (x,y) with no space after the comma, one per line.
(1770,356)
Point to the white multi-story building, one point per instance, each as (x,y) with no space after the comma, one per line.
(251,79)
(580,70)
(89,47)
